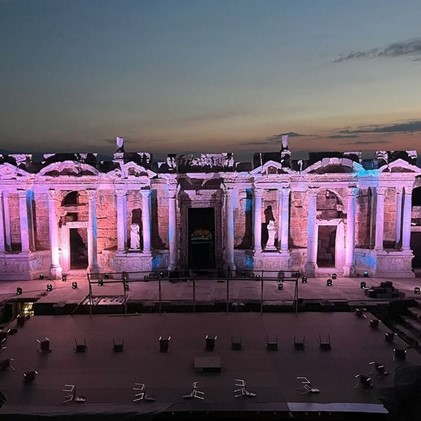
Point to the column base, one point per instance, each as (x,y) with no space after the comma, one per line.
(349,271)
(56,271)
(93,269)
(310,269)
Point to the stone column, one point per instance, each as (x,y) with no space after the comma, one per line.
(407,211)
(146,221)
(172,228)
(257,220)
(2,230)
(312,234)
(121,220)
(285,220)
(6,210)
(92,233)
(229,237)
(398,216)
(24,225)
(279,219)
(55,268)
(350,232)
(380,192)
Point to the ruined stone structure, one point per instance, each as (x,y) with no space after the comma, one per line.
(332,213)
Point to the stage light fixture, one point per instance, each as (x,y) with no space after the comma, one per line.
(365,274)
(100,282)
(363,285)
(64,278)
(126,286)
(304,279)
(280,285)
(334,276)
(74,285)
(49,287)
(41,276)
(417,290)
(329,282)
(19,291)
(107,276)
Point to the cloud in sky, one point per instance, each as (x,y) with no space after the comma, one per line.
(343,136)
(410,48)
(276,139)
(408,127)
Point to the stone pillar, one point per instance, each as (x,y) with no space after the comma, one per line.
(257,220)
(285,219)
(2,230)
(380,192)
(398,216)
(229,237)
(312,234)
(350,232)
(279,219)
(92,233)
(172,228)
(55,268)
(146,221)
(6,210)
(407,211)
(121,220)
(24,225)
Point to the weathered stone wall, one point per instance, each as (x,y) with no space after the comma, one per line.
(106,220)
(41,221)
(362,219)
(390,217)
(243,220)
(14,213)
(298,220)
(159,219)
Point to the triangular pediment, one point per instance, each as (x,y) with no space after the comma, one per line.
(271,168)
(400,165)
(68,169)
(10,172)
(333,165)
(133,170)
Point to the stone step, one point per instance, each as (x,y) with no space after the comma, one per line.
(413,324)
(415,312)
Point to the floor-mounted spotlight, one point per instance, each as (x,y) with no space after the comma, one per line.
(19,291)
(74,285)
(329,282)
(363,285)
(107,276)
(100,282)
(49,287)
(304,279)
(126,286)
(64,278)
(365,274)
(417,290)
(41,276)
(280,285)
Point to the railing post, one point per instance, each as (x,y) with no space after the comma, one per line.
(261,295)
(194,295)
(159,295)
(228,295)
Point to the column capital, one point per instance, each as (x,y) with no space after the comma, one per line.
(146,193)
(53,194)
(285,191)
(22,193)
(381,190)
(399,189)
(408,191)
(120,193)
(258,192)
(352,191)
(91,194)
(313,190)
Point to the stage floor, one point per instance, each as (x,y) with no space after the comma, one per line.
(106,378)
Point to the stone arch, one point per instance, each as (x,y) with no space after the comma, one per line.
(329,204)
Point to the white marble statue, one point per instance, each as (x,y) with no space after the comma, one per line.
(134,237)
(270,245)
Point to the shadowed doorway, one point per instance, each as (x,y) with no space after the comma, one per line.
(201,222)
(326,246)
(78,248)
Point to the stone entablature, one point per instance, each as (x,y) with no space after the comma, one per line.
(335,213)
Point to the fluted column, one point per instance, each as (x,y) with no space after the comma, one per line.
(380,192)
(312,234)
(229,238)
(55,268)
(257,220)
(121,220)
(146,220)
(23,217)
(350,232)
(172,228)
(398,237)
(92,233)
(407,210)
(285,219)
(2,230)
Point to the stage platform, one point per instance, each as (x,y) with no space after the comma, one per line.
(106,378)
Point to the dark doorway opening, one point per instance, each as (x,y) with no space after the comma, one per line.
(326,246)
(416,248)
(201,238)
(78,248)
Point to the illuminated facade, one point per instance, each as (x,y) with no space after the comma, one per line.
(334,212)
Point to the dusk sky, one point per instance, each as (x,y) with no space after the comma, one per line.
(210,76)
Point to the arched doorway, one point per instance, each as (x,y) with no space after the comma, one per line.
(416,230)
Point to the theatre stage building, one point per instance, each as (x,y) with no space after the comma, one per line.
(334,212)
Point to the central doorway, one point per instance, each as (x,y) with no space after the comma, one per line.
(201,240)
(326,246)
(78,248)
